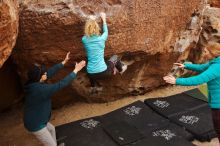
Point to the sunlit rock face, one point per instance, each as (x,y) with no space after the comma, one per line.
(9,83)
(214,3)
(208,33)
(142,32)
(8,28)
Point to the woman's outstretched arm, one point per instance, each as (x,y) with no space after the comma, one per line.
(54,69)
(104,36)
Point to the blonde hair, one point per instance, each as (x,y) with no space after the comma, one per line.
(92,28)
(214,49)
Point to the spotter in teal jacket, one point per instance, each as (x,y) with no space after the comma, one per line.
(210,74)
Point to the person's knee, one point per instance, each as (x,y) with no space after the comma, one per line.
(50,127)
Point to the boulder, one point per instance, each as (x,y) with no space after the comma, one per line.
(210,32)
(8,28)
(10,90)
(142,32)
(214,3)
(10,87)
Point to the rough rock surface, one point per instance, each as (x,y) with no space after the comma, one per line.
(8,28)
(210,32)
(214,3)
(10,88)
(143,32)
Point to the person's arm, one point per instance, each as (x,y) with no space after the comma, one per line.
(52,88)
(104,36)
(53,70)
(196,67)
(211,73)
(84,40)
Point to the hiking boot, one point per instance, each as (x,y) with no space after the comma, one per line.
(124,68)
(62,144)
(95,90)
(92,90)
(99,89)
(121,67)
(114,59)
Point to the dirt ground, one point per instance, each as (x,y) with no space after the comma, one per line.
(12,132)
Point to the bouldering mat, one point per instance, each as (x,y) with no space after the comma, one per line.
(175,104)
(198,122)
(87,132)
(123,133)
(138,115)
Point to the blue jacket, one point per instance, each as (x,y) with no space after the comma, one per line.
(37,107)
(94,47)
(210,74)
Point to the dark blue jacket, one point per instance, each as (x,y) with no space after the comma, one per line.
(37,109)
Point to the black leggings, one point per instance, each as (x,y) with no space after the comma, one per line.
(94,77)
(216,121)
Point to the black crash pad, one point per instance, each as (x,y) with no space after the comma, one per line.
(87,132)
(170,135)
(156,140)
(138,115)
(140,119)
(196,93)
(179,131)
(175,104)
(123,133)
(198,122)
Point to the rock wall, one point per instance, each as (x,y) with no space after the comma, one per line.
(210,32)
(214,3)
(142,32)
(10,87)
(8,28)
(9,83)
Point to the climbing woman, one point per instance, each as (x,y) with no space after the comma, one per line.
(94,44)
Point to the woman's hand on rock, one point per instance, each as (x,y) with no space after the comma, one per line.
(103,16)
(180,65)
